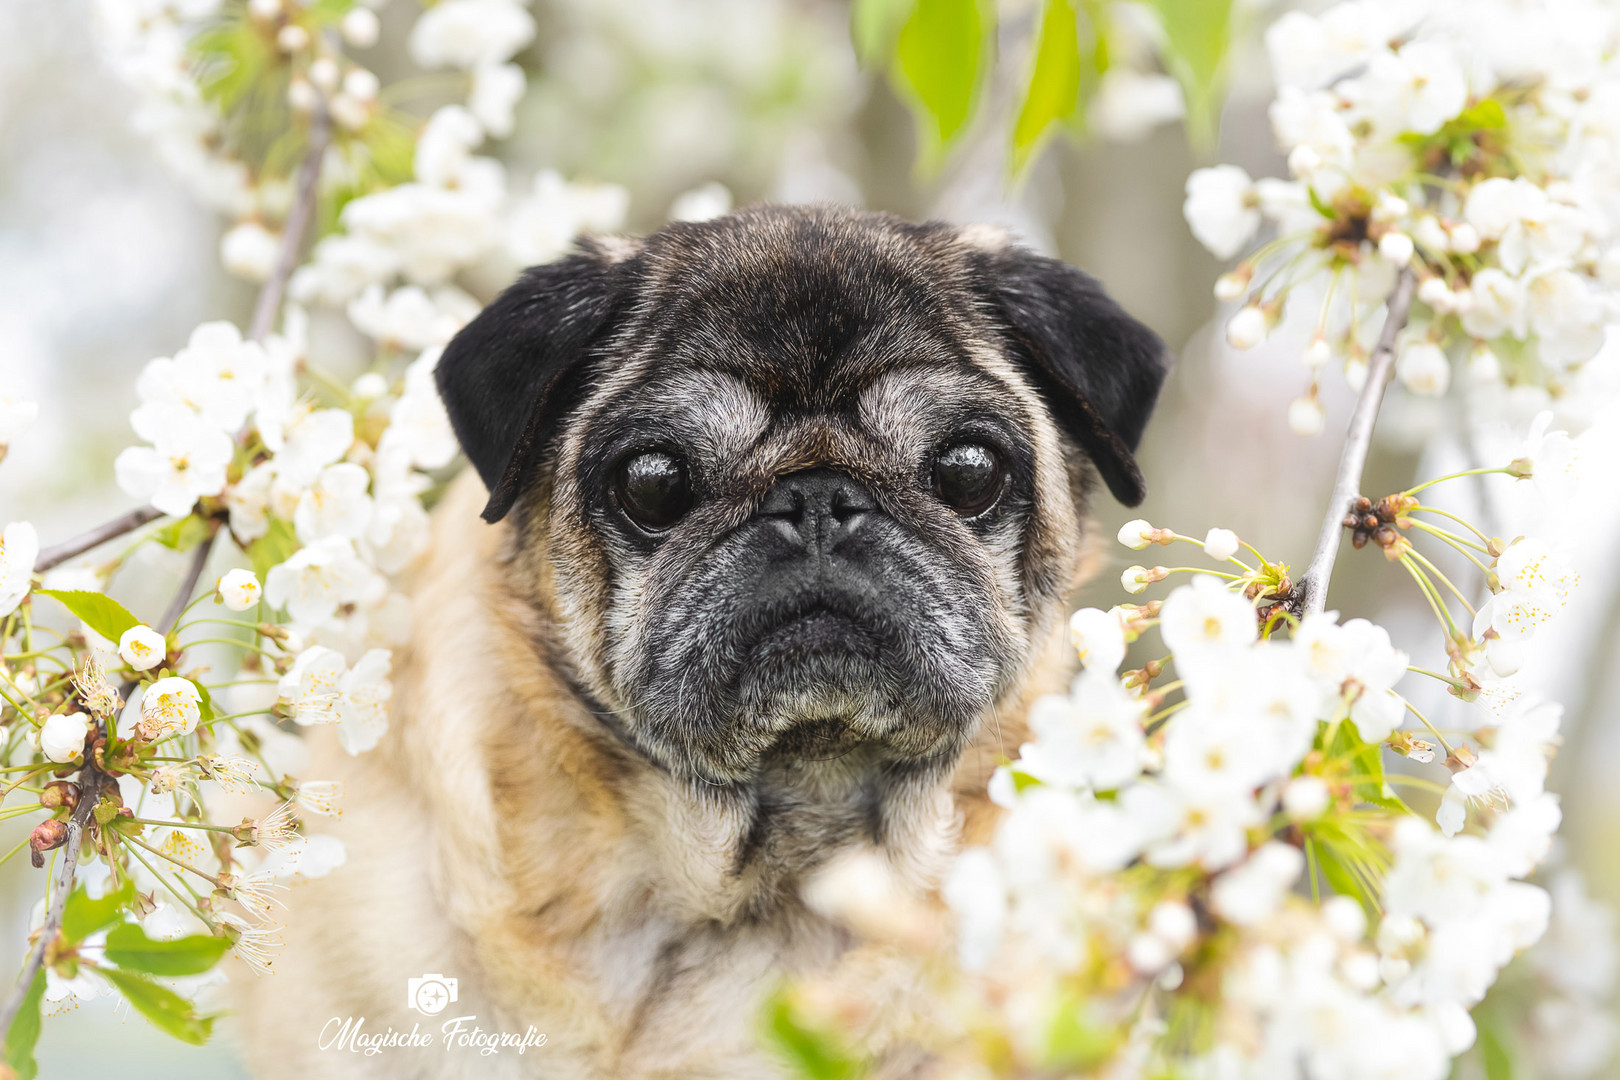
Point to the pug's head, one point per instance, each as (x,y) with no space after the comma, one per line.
(798,482)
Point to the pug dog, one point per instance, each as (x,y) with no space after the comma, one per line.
(765,547)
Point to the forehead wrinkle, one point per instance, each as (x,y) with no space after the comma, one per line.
(921,391)
(723,412)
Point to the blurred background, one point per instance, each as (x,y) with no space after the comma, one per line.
(106,262)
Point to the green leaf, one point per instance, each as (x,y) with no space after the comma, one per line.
(166,1009)
(182,534)
(99,611)
(205,703)
(83,916)
(1054,81)
(1366,768)
(24,1032)
(1197,35)
(873,25)
(811,1054)
(1074,1043)
(1318,205)
(940,60)
(273,548)
(1498,1060)
(130,948)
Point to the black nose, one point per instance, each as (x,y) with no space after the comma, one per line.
(817,507)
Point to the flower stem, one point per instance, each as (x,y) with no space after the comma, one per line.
(1435,570)
(1313,586)
(1453,517)
(1452,476)
(1436,601)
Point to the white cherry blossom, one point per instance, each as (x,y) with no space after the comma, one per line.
(1090,737)
(142,648)
(186,461)
(336,504)
(19,550)
(170,706)
(470,33)
(1222,209)
(1098,638)
(239,589)
(320,578)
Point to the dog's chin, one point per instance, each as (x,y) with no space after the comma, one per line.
(824,683)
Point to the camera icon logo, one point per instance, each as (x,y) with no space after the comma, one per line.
(429,994)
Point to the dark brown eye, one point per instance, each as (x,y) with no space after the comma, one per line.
(967,478)
(653,489)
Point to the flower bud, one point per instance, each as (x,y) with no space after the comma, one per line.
(249,251)
(1174,923)
(350,112)
(1137,534)
(1306,798)
(239,589)
(1397,247)
(1220,544)
(1464,238)
(1304,161)
(323,72)
(1437,294)
(1424,369)
(1232,285)
(1483,364)
(292,38)
(1135,579)
(1429,234)
(301,96)
(1305,416)
(1317,353)
(1247,328)
(361,28)
(59,793)
(1147,954)
(361,85)
(47,836)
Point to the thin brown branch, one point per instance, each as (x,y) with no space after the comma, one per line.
(1311,590)
(118,526)
(292,232)
(91,782)
(177,606)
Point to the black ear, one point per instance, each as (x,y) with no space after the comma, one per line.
(508,376)
(1098,369)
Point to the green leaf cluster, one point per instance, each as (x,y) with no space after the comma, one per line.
(137,958)
(940,53)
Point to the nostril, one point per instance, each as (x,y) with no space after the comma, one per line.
(849,503)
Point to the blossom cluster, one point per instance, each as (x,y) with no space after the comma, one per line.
(1252,856)
(1468,143)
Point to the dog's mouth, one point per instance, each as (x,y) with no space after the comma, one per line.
(818,627)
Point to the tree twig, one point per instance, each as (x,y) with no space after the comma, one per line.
(292,232)
(1311,589)
(118,526)
(177,606)
(91,780)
